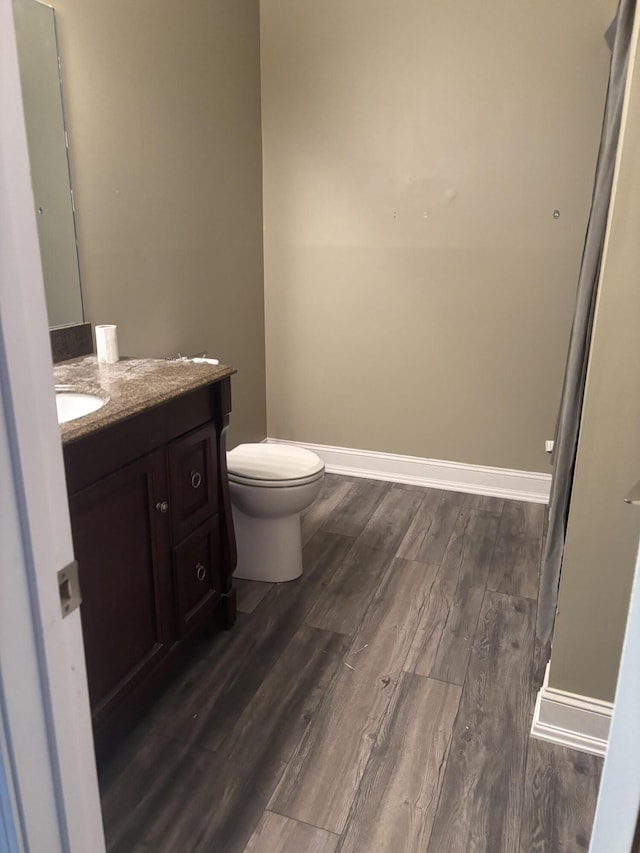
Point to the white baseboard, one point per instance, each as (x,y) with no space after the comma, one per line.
(438,474)
(570,720)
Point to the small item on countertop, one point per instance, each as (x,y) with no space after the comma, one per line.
(107,344)
(197,358)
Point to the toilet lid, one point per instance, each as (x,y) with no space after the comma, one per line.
(273,462)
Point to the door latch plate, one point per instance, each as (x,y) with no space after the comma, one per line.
(69,589)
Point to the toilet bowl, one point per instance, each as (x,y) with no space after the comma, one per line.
(270,485)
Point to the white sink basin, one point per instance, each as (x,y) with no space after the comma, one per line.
(72,405)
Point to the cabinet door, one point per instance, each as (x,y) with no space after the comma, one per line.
(197,577)
(193,480)
(121,544)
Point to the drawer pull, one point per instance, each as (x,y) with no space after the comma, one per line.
(162,506)
(196,479)
(201,572)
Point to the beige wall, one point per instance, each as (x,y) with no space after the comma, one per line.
(603,532)
(419,292)
(163,107)
(441,335)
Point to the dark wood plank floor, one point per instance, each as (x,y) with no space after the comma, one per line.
(382,702)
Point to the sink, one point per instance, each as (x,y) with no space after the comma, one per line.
(72,405)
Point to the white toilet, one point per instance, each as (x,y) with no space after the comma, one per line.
(270,485)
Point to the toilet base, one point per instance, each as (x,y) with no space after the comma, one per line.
(269,549)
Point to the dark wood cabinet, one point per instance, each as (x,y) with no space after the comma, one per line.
(197,577)
(125,579)
(193,479)
(153,536)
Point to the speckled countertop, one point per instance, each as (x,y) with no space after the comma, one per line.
(129,386)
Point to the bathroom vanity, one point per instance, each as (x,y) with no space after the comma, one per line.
(151,523)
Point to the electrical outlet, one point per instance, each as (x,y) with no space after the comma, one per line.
(548,445)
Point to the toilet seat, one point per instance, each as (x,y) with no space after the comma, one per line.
(273,484)
(273,466)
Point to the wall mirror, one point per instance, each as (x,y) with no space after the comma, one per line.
(41,80)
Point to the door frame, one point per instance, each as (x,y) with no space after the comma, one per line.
(47,755)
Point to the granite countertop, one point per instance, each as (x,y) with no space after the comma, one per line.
(129,386)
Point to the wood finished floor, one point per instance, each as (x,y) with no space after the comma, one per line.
(380,703)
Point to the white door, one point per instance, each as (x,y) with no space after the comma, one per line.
(618,809)
(48,788)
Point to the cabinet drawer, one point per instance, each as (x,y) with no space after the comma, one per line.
(193,480)
(196,572)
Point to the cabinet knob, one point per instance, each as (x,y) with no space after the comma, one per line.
(162,506)
(201,572)
(196,479)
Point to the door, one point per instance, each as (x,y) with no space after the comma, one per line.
(50,800)
(616,827)
(122,548)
